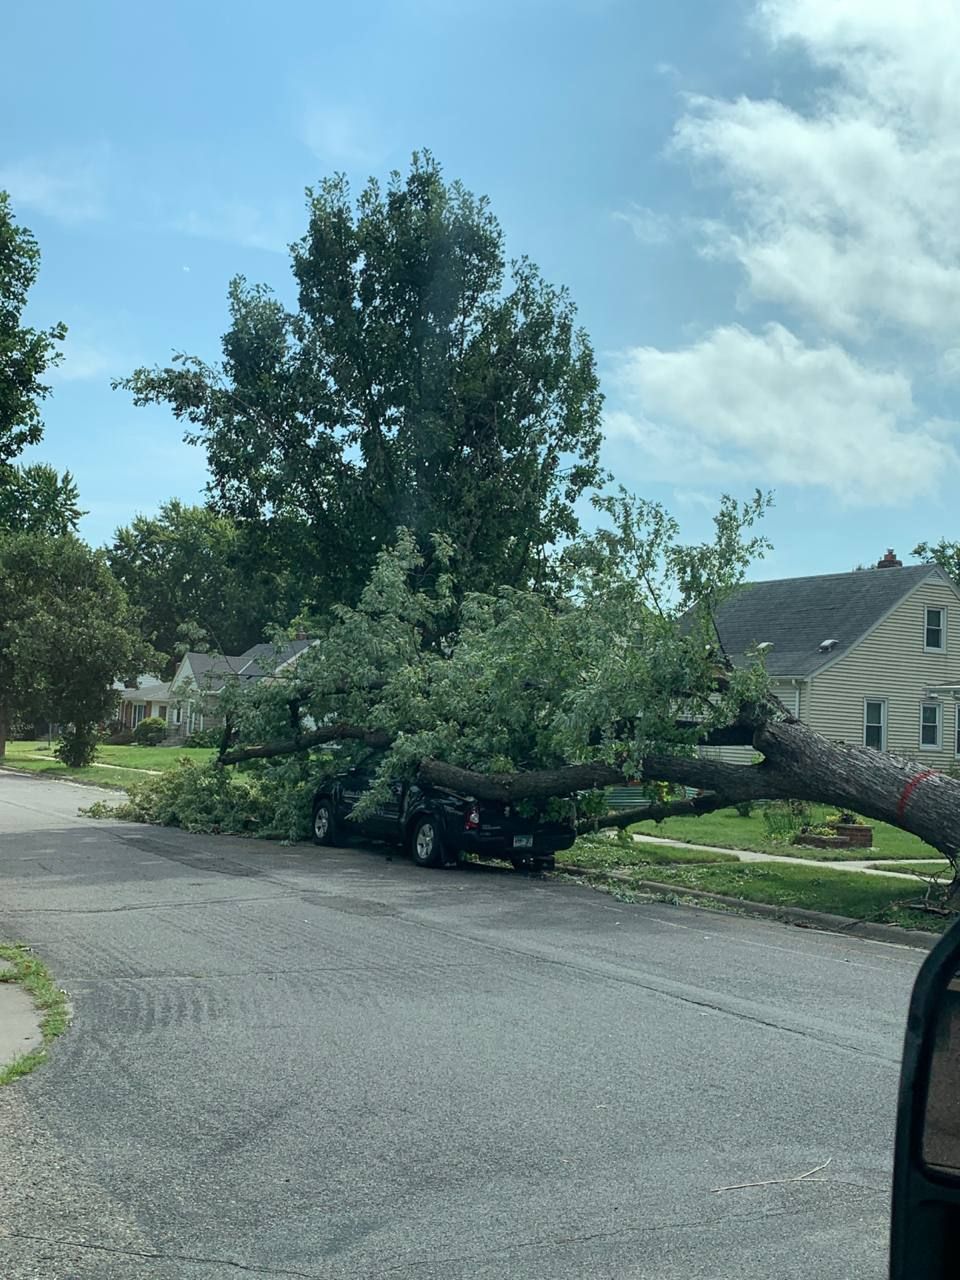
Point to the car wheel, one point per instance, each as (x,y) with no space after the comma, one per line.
(426,843)
(324,829)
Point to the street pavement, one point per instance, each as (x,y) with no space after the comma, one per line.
(300,1062)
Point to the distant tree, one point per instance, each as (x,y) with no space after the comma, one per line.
(420,382)
(66,634)
(199,581)
(25,353)
(944,553)
(37,499)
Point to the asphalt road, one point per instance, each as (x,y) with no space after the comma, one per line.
(294,1062)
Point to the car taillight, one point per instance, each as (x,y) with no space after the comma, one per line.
(472,818)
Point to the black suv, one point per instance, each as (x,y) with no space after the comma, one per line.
(438,826)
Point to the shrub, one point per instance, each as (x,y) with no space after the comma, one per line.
(744,808)
(784,818)
(77,745)
(204,738)
(119,738)
(150,732)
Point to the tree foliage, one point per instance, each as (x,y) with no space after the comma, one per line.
(592,676)
(421,382)
(25,353)
(66,635)
(37,499)
(199,581)
(944,553)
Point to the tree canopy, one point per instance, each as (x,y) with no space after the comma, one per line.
(37,499)
(420,382)
(25,353)
(66,635)
(944,553)
(594,675)
(199,581)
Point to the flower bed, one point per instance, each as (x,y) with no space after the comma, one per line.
(857,835)
(811,841)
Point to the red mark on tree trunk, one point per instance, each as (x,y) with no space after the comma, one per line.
(910,788)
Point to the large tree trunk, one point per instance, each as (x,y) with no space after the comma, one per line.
(4,730)
(798,764)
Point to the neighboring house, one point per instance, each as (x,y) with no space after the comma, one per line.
(870,657)
(200,678)
(149,697)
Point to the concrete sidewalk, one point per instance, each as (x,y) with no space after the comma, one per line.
(866,865)
(19,1021)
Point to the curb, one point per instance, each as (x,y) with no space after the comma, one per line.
(20,1032)
(798,916)
(69,782)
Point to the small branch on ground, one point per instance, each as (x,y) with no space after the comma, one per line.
(773,1182)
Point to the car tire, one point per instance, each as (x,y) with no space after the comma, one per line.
(426,842)
(324,825)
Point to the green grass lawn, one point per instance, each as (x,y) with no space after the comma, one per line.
(132,762)
(929,870)
(600,852)
(727,829)
(844,893)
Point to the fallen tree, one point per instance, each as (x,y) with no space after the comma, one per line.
(616,679)
(798,764)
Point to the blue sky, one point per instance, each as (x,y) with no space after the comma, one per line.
(753,204)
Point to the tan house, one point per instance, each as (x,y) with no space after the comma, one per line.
(200,679)
(870,657)
(189,702)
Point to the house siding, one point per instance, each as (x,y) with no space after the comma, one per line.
(789,695)
(891,663)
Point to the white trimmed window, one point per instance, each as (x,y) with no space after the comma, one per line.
(931,726)
(935,630)
(875,723)
(139,711)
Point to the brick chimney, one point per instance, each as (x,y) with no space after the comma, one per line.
(889,561)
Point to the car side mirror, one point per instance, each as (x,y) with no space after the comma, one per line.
(925,1228)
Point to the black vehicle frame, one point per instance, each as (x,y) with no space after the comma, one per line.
(436,826)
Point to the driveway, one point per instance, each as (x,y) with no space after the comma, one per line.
(295,1062)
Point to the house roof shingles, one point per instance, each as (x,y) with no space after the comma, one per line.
(258,661)
(796,615)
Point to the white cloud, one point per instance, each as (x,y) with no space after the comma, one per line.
(848,207)
(796,414)
(340,134)
(242,223)
(647,225)
(82,360)
(67,186)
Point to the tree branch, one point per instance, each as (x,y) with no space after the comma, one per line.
(655,812)
(375,738)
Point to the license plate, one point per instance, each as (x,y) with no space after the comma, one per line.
(523,842)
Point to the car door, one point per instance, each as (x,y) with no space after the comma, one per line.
(385,821)
(353,786)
